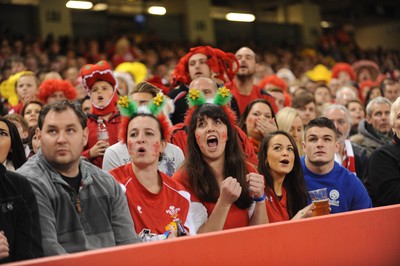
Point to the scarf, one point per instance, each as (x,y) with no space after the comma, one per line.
(348,160)
(110,108)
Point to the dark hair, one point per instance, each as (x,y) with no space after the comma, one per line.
(32,133)
(294,183)
(202,178)
(60,106)
(15,117)
(302,99)
(321,122)
(30,102)
(243,117)
(87,97)
(16,154)
(128,120)
(323,86)
(368,96)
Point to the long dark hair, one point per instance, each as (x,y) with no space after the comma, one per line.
(243,117)
(294,183)
(16,154)
(202,178)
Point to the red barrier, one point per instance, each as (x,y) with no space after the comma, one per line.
(367,237)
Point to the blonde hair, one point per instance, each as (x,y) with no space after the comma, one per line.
(284,119)
(393,111)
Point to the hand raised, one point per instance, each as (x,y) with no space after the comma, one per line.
(256,185)
(230,191)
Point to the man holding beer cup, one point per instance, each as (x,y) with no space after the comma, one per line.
(344,190)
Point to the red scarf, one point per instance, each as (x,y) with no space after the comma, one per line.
(110,108)
(348,159)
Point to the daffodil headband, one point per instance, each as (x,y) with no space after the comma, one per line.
(222,97)
(130,109)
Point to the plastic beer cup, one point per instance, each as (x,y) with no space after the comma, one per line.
(321,202)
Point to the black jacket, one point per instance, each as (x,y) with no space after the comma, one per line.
(383,181)
(19,217)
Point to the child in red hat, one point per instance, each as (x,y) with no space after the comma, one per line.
(101,85)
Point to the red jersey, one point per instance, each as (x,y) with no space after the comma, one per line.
(276,209)
(113,125)
(152,212)
(236,217)
(256,93)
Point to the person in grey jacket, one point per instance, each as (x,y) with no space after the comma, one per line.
(374,131)
(81,207)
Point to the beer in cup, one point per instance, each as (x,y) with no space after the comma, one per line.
(321,202)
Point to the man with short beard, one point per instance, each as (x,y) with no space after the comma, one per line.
(200,61)
(242,87)
(81,207)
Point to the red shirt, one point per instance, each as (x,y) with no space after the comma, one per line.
(153,211)
(276,209)
(113,125)
(236,217)
(256,93)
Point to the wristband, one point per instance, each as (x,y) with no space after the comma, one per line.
(260,199)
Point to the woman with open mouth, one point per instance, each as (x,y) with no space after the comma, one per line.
(285,186)
(226,191)
(158,204)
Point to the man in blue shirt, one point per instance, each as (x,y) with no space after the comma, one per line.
(345,190)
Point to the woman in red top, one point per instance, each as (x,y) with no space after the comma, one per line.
(285,188)
(223,186)
(156,201)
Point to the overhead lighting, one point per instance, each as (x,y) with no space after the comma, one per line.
(241,17)
(325,24)
(79,4)
(100,7)
(157,10)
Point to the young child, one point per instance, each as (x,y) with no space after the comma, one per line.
(19,89)
(101,85)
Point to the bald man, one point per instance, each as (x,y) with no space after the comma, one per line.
(242,87)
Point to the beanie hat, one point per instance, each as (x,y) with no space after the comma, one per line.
(100,71)
(50,86)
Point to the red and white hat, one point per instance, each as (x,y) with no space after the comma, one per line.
(100,71)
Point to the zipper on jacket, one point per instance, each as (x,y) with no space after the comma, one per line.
(78,204)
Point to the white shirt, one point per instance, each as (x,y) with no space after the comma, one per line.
(117,155)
